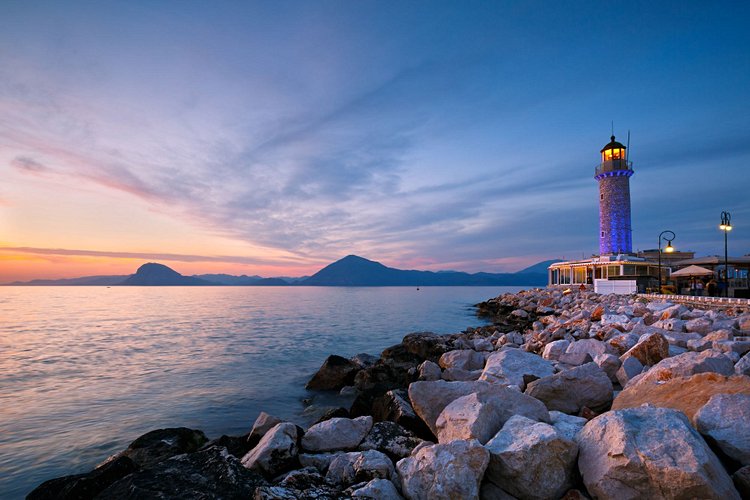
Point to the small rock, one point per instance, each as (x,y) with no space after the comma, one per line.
(650,349)
(391,439)
(429,370)
(510,366)
(555,349)
(337,434)
(378,489)
(355,467)
(424,475)
(276,452)
(465,359)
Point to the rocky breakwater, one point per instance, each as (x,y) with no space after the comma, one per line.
(567,395)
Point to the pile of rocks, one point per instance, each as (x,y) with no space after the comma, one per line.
(567,395)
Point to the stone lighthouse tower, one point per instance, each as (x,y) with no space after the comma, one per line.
(613,174)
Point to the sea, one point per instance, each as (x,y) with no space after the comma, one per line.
(86,370)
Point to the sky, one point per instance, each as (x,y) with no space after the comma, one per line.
(272,138)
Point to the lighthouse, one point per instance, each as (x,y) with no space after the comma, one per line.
(613,175)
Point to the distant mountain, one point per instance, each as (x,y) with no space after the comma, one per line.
(228,279)
(357,271)
(349,271)
(84,281)
(153,274)
(540,267)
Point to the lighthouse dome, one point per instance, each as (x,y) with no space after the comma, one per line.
(613,144)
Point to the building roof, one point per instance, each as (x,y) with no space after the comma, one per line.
(714,260)
(612,145)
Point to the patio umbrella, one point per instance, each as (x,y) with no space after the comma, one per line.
(691,271)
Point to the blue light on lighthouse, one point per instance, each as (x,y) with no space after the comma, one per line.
(613,174)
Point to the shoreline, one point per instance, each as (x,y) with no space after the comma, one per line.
(551,365)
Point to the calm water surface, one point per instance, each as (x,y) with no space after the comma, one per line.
(85,370)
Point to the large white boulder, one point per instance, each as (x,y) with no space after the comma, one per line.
(510,366)
(444,471)
(480,415)
(465,359)
(726,419)
(337,434)
(429,398)
(571,390)
(531,460)
(649,452)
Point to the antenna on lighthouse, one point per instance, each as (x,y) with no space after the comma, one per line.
(629,157)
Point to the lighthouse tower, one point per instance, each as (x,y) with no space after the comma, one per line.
(613,174)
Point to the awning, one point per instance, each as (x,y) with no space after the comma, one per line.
(691,271)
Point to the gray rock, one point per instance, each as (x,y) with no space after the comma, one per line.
(429,370)
(459,374)
(649,452)
(465,359)
(378,489)
(725,419)
(592,347)
(629,369)
(531,460)
(210,474)
(741,480)
(158,445)
(571,390)
(554,349)
(699,325)
(391,439)
(685,365)
(337,434)
(444,471)
(262,424)
(510,366)
(610,364)
(359,466)
(481,415)
(742,367)
(276,452)
(483,345)
(320,461)
(568,426)
(428,399)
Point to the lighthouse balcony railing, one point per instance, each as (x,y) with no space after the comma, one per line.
(613,165)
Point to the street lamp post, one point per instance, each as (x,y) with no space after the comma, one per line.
(726,226)
(669,249)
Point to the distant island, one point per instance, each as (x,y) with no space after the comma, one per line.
(349,271)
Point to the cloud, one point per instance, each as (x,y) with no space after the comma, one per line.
(230,259)
(26,164)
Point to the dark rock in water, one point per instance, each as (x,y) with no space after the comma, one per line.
(392,439)
(385,375)
(84,485)
(394,406)
(426,345)
(158,445)
(237,446)
(335,373)
(207,474)
(333,413)
(364,360)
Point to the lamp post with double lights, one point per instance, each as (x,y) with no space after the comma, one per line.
(669,249)
(726,226)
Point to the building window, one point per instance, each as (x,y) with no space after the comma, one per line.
(602,234)
(601,196)
(613,271)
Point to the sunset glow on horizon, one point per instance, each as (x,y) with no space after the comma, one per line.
(274,138)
